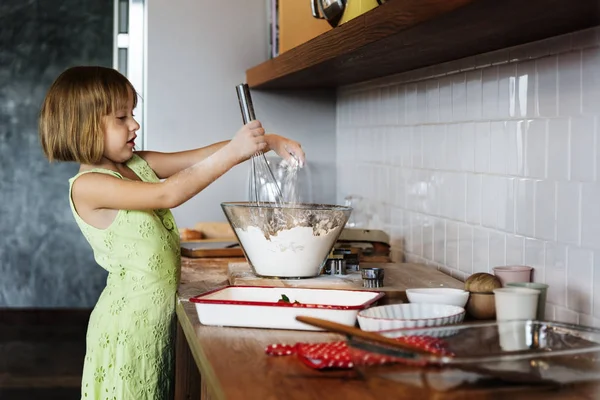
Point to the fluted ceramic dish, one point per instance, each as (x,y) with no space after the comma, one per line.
(412,315)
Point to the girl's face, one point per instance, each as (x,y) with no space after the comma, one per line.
(119,133)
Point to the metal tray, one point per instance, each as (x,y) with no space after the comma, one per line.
(514,351)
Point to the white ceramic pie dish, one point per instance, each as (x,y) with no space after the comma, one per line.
(410,315)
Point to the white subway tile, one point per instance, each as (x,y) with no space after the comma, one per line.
(579,284)
(569,83)
(405,145)
(486,166)
(591,80)
(422,102)
(582,148)
(535,257)
(545,210)
(499,148)
(416,140)
(401,186)
(507,90)
(547,86)
(389,105)
(474,188)
(453,152)
(497,249)
(565,315)
(416,226)
(427,237)
(406,231)
(589,321)
(467,147)
(401,104)
(433,101)
(482,147)
(506,205)
(567,212)
(428,194)
(550,312)
(465,249)
(480,250)
(535,149)
(489,200)
(490,92)
(516,147)
(439,147)
(555,272)
(439,238)
(474,95)
(411,104)
(459,97)
(445,99)
(524,207)
(428,144)
(590,215)
(514,250)
(452,244)
(526,89)
(558,149)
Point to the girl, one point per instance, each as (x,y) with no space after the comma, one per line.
(121,199)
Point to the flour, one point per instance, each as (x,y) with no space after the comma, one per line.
(295,252)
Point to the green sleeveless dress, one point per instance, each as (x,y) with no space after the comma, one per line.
(130,337)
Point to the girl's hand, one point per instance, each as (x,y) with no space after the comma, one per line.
(249,140)
(285,148)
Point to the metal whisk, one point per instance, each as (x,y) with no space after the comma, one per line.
(259,165)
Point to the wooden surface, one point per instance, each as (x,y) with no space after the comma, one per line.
(233,364)
(210,248)
(398,278)
(403,35)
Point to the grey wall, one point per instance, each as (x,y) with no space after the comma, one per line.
(44,260)
(197,53)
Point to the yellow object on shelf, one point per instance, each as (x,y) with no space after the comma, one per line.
(297,25)
(354,8)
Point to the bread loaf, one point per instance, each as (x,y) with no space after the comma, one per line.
(190,234)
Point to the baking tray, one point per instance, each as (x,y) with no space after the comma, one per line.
(258,306)
(519,352)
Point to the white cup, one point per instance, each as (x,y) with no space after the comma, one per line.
(512,336)
(516,303)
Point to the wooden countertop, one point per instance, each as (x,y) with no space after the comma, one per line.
(233,364)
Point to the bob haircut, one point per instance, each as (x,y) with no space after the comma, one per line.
(70,125)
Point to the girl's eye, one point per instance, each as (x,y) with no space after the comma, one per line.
(122,118)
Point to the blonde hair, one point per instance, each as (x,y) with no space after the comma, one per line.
(70,125)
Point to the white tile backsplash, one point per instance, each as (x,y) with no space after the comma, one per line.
(487,161)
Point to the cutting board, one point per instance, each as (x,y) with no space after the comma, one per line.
(398,278)
(211,248)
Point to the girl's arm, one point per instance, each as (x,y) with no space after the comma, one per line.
(168,164)
(100,191)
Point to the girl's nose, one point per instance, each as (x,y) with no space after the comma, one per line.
(135,126)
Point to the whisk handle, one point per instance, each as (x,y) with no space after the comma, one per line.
(245,99)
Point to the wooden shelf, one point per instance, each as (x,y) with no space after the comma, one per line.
(403,35)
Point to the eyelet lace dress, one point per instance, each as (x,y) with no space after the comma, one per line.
(129,343)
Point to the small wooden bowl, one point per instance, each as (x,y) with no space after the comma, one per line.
(481,306)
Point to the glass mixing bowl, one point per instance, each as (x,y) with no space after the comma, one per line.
(288,241)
